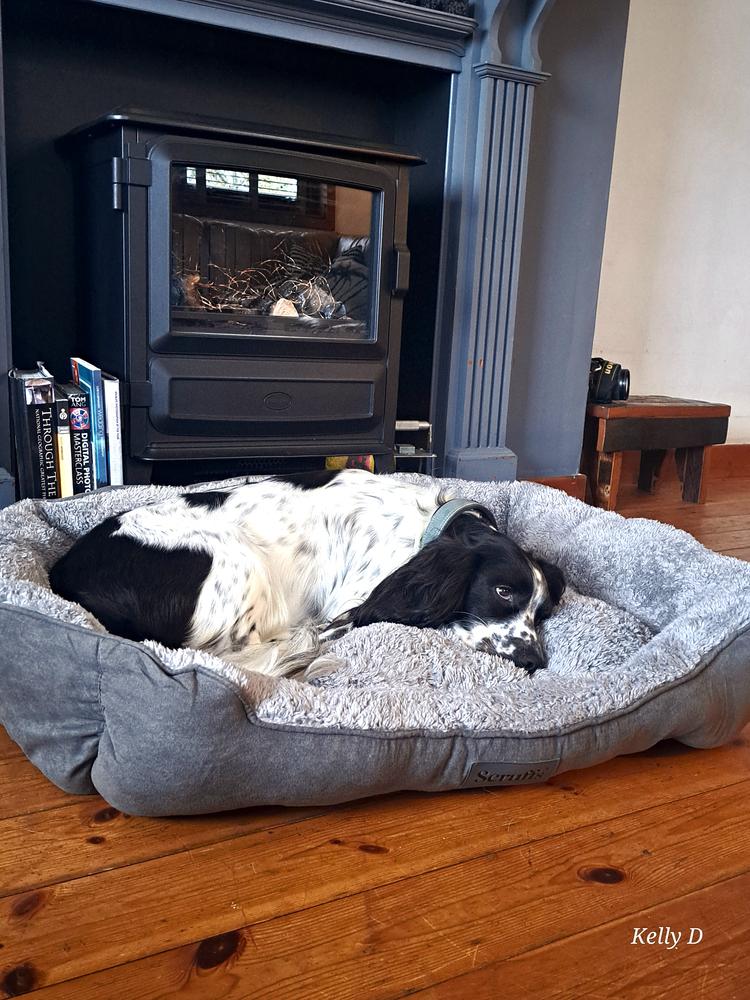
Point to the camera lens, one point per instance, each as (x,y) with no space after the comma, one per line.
(621,387)
(607,381)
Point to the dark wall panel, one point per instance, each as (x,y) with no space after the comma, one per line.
(575,117)
(67,63)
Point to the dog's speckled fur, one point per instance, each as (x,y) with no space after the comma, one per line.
(257,573)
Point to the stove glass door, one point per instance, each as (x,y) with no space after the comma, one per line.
(270,255)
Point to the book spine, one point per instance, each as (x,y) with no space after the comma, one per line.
(32,404)
(27,485)
(80,443)
(35,448)
(41,423)
(91,380)
(63,447)
(99,427)
(114,429)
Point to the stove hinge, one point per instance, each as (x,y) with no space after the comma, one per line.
(132,170)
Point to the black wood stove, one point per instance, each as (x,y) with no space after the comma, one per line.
(246,286)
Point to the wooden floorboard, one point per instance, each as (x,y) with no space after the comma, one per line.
(524,892)
(25,790)
(420,930)
(90,836)
(608,961)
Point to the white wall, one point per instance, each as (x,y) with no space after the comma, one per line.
(674,299)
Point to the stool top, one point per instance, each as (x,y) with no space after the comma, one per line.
(657,407)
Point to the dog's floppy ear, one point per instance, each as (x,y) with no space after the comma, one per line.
(427,591)
(555,580)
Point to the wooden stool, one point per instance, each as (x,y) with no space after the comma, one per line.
(651,425)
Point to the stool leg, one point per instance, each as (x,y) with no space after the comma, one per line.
(692,466)
(589,458)
(651,463)
(607,479)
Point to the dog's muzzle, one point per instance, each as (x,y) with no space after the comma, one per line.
(527,655)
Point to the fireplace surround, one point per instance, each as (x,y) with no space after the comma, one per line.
(495,66)
(495,343)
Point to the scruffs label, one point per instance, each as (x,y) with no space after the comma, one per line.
(502,772)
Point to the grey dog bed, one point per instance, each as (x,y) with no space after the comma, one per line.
(651,640)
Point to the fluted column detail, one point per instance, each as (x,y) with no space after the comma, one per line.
(506,105)
(490,134)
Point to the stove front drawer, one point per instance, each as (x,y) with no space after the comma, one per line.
(217,397)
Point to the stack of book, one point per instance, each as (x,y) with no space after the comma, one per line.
(68,435)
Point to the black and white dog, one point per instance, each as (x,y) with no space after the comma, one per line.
(263,573)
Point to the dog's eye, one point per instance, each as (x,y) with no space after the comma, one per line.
(504,592)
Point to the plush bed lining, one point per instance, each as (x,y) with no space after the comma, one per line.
(620,713)
(221,677)
(605,656)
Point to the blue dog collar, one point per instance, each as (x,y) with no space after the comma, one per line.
(448,512)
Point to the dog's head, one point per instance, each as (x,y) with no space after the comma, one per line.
(507,595)
(491,592)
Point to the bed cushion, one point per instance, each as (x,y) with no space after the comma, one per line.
(651,640)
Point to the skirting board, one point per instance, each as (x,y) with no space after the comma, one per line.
(574,486)
(730,461)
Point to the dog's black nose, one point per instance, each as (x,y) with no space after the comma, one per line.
(529,659)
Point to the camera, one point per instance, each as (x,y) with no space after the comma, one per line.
(608,381)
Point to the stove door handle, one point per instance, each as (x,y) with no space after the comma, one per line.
(401,264)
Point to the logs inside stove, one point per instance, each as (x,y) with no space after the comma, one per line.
(246,287)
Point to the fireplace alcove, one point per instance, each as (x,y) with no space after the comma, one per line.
(459,91)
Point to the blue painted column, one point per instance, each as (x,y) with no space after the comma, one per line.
(489,136)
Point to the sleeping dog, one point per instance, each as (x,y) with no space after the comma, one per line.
(263,573)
